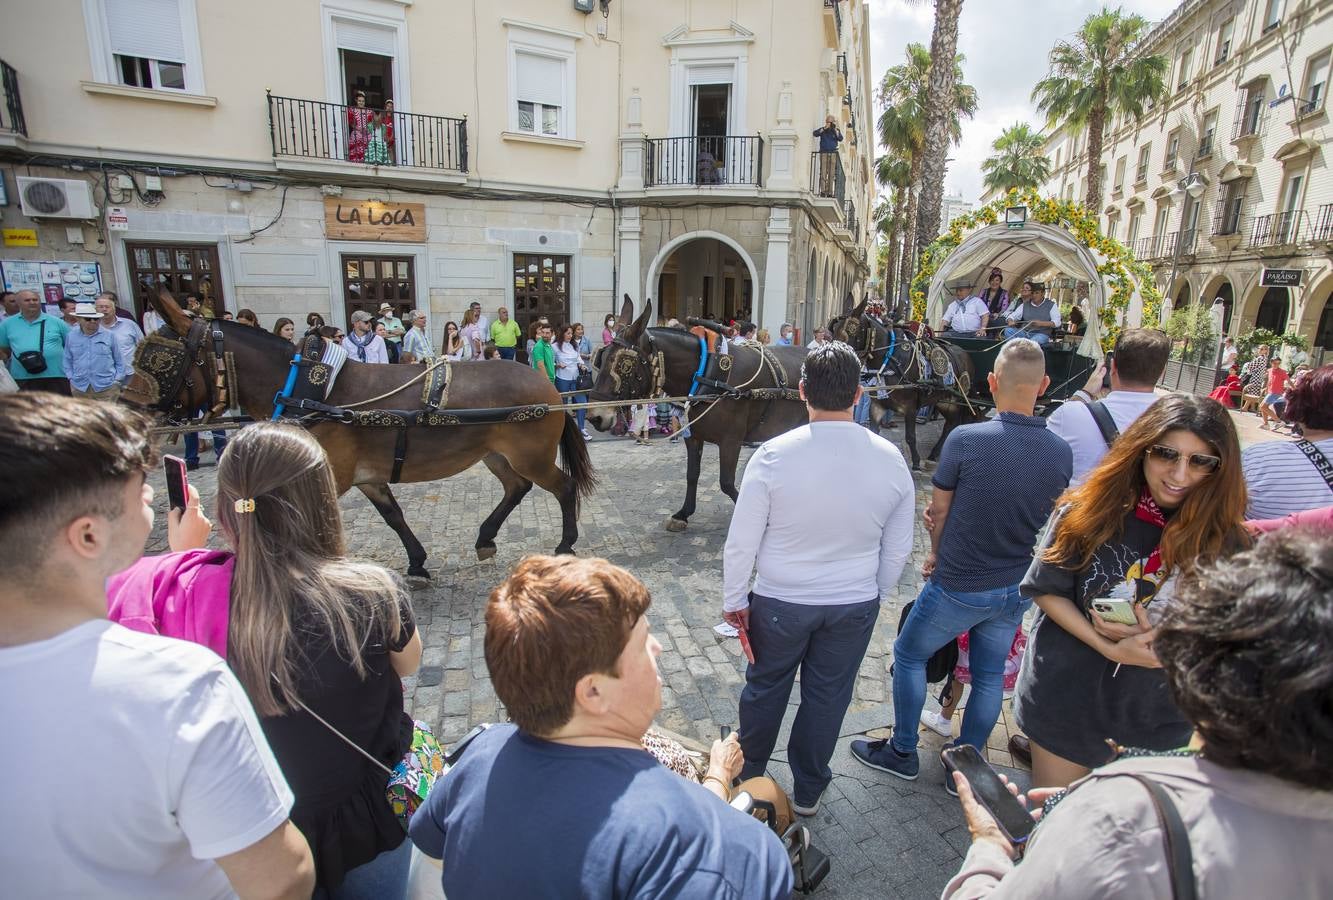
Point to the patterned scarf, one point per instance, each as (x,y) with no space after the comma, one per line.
(1148,511)
(361,345)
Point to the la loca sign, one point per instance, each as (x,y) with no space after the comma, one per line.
(374,220)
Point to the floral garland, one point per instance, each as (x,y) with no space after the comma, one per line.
(1117,264)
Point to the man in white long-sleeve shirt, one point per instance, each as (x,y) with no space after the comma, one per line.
(823,558)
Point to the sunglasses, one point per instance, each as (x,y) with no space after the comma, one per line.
(1170,455)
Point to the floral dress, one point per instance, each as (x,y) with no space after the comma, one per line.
(358,132)
(377,149)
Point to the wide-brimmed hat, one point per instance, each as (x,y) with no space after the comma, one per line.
(386,307)
(960,284)
(86,310)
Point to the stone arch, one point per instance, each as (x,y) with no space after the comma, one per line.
(1274,311)
(655,267)
(1221,286)
(1316,320)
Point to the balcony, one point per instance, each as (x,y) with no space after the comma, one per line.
(1323,227)
(844,83)
(1146,248)
(1308,107)
(705,161)
(848,230)
(1277,229)
(1205,147)
(1181,242)
(1227,221)
(13,126)
(832,22)
(828,182)
(313,136)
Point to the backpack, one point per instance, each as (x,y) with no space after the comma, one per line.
(940,665)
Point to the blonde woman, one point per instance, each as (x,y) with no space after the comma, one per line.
(306,630)
(472,332)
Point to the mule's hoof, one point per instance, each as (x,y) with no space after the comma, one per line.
(674,524)
(564,550)
(485,551)
(418,572)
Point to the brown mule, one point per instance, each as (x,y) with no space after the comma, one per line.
(518,453)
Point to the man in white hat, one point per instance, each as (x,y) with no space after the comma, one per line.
(967,315)
(393,326)
(93,360)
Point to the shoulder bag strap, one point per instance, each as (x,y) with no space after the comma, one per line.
(1318,459)
(1179,857)
(345,739)
(41,340)
(1105,424)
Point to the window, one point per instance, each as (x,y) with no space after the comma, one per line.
(1112,223)
(1272,14)
(1172,158)
(1228,217)
(1120,174)
(1224,34)
(1249,110)
(541,82)
(1183,75)
(1159,230)
(1288,224)
(1316,85)
(1141,173)
(150,44)
(1206,138)
(1135,221)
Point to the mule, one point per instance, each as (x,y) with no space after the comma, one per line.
(628,369)
(897,354)
(519,453)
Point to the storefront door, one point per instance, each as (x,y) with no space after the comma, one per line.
(180,268)
(369,281)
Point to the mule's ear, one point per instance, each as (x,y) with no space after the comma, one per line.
(170,311)
(859,309)
(626,311)
(635,331)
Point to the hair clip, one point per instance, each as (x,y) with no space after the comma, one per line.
(245,506)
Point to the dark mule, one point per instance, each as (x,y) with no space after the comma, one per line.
(897,355)
(518,453)
(626,370)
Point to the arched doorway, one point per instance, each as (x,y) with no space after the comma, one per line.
(703,274)
(1226,296)
(1323,335)
(1273,310)
(1182,296)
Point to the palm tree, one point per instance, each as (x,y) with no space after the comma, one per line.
(942,107)
(893,172)
(1019,161)
(1097,75)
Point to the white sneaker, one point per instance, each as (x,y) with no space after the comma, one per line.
(937,723)
(725,629)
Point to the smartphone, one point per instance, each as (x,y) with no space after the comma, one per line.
(1109,609)
(1106,378)
(990,791)
(725,732)
(178,489)
(744,635)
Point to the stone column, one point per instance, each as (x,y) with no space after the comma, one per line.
(771,301)
(628,269)
(782,144)
(632,146)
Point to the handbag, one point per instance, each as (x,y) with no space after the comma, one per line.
(34,361)
(941,664)
(584,381)
(411,780)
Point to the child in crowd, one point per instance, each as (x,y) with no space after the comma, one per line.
(1222,393)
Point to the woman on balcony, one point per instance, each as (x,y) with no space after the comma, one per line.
(386,118)
(377,149)
(358,129)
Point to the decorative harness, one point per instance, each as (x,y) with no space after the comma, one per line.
(170,358)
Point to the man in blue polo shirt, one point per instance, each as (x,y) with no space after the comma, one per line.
(982,532)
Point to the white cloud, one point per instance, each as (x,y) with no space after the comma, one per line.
(1005,45)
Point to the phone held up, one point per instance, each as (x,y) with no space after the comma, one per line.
(178,489)
(992,793)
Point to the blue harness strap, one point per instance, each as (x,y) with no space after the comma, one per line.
(703,364)
(893,344)
(287,389)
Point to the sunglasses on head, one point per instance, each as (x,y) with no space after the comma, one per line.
(1170,455)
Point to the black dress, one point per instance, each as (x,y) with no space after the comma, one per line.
(340,804)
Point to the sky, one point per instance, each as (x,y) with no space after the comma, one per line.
(1005,43)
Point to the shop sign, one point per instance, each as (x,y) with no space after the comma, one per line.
(374,220)
(117,219)
(20,237)
(1281,278)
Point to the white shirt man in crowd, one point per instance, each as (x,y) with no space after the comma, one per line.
(363,344)
(126,333)
(185,798)
(967,315)
(483,323)
(1136,364)
(824,561)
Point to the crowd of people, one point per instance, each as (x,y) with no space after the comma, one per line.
(245,702)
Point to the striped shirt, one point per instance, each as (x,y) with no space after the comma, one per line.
(1282,480)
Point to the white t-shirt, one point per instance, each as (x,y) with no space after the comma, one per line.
(129,763)
(567,361)
(1281,480)
(810,544)
(1073,421)
(966,314)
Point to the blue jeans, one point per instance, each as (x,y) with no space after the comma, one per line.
(1041,339)
(383,878)
(990,619)
(861,415)
(507,352)
(191,441)
(826,643)
(569,384)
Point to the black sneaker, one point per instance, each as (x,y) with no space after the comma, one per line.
(882,755)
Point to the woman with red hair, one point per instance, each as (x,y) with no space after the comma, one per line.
(1286,477)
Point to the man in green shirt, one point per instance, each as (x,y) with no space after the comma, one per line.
(543,354)
(505,334)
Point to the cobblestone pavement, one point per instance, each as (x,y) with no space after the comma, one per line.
(889,838)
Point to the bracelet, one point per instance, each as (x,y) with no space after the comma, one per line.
(1082,395)
(726,790)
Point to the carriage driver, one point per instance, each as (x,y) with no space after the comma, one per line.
(967,315)
(1036,317)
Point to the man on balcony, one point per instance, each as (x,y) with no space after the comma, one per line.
(829,138)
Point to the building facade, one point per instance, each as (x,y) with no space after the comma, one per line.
(953,206)
(329,155)
(1245,127)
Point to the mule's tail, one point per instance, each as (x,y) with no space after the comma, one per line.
(574,458)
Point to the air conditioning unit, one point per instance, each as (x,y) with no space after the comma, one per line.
(56,198)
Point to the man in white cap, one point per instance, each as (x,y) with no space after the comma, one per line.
(363,344)
(393,326)
(93,361)
(967,315)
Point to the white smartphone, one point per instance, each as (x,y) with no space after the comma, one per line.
(1109,609)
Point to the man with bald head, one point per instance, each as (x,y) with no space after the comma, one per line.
(982,530)
(32,344)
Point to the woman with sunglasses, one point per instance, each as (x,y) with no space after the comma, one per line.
(1167,498)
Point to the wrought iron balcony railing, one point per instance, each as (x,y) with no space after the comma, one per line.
(1277,229)
(1323,227)
(705,161)
(11,116)
(312,129)
(1228,218)
(827,178)
(836,6)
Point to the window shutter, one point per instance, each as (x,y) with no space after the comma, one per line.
(712,74)
(364,38)
(146,28)
(541,79)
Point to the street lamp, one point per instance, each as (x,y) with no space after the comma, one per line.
(1190,188)
(1016,216)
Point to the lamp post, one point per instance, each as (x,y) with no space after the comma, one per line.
(1191,187)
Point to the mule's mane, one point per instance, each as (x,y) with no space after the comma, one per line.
(266,339)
